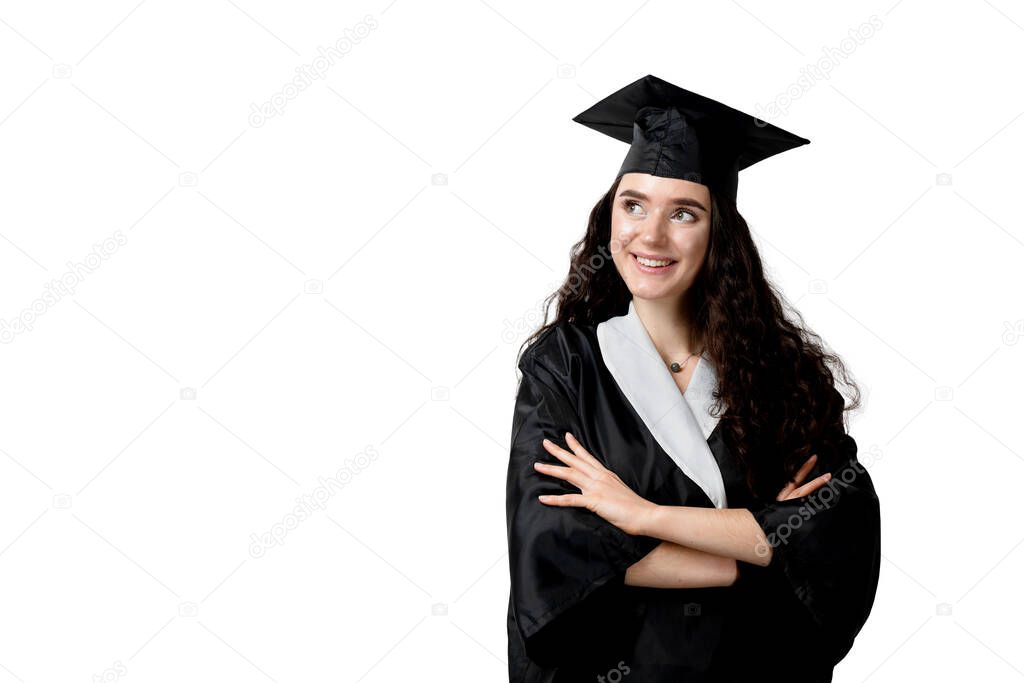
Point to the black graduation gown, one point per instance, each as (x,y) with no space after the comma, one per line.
(570,615)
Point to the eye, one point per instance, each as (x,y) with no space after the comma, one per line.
(692,215)
(628,206)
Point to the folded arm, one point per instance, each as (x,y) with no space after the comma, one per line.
(671,565)
(731,533)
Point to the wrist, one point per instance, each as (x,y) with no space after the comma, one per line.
(648,521)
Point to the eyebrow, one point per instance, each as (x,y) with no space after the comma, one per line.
(678,201)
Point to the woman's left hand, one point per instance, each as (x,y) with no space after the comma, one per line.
(602,492)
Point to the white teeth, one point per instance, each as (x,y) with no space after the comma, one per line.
(652,263)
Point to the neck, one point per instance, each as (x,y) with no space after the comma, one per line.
(669,324)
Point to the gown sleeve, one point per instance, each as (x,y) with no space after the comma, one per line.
(826,545)
(567,564)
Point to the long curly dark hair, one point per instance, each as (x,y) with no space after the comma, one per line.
(776,397)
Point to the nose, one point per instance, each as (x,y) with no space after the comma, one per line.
(654,229)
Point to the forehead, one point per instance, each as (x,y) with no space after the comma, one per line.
(658,188)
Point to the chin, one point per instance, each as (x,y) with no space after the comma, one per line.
(640,291)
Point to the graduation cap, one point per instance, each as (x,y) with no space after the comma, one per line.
(675,133)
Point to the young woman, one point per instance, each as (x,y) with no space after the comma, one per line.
(683,500)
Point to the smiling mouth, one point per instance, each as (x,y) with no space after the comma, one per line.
(653,266)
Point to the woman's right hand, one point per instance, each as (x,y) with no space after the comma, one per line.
(793,488)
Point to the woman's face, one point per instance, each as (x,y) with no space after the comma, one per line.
(664,219)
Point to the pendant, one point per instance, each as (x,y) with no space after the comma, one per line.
(675,367)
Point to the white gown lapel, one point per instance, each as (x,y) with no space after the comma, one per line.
(680,422)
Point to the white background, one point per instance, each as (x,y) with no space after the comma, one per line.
(343,285)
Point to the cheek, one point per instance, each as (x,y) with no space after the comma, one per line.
(622,231)
(692,245)
(621,236)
